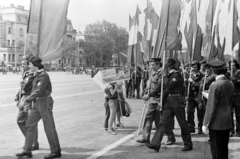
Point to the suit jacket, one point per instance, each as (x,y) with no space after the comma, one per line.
(217,115)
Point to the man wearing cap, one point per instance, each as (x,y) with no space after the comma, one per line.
(173,106)
(235,106)
(193,100)
(204,86)
(153,113)
(24,92)
(217,120)
(42,105)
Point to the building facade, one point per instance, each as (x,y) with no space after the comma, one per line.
(13,28)
(13,35)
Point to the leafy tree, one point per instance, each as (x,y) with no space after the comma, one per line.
(102,40)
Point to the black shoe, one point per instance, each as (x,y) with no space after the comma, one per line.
(170,142)
(24,154)
(35,147)
(200,132)
(187,148)
(238,135)
(208,141)
(143,141)
(231,135)
(155,148)
(53,155)
(192,131)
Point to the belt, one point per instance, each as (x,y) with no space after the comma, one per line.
(174,95)
(43,97)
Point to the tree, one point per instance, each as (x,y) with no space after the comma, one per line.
(69,47)
(102,40)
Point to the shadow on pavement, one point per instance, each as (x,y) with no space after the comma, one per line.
(75,149)
(167,152)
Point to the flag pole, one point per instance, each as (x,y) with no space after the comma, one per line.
(164,56)
(39,29)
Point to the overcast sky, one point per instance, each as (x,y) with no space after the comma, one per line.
(84,12)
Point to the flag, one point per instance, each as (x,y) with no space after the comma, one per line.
(198,46)
(133,38)
(207,37)
(169,20)
(217,49)
(53,26)
(189,39)
(130,47)
(236,33)
(151,21)
(138,51)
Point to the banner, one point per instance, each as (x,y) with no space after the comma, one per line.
(52,27)
(114,75)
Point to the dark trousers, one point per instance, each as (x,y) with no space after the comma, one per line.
(42,109)
(21,121)
(219,140)
(136,86)
(192,105)
(174,106)
(235,107)
(128,86)
(153,115)
(107,115)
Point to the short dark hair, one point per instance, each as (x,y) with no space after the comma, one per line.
(220,71)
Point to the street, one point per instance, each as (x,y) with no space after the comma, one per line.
(79,113)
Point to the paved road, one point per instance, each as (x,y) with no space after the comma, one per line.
(79,114)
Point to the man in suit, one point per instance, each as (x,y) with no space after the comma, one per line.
(217,120)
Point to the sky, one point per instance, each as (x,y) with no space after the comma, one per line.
(84,12)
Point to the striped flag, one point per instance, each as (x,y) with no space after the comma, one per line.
(133,39)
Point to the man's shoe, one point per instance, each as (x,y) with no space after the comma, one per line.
(187,148)
(53,155)
(200,132)
(170,142)
(238,135)
(155,148)
(35,147)
(143,141)
(24,154)
(192,131)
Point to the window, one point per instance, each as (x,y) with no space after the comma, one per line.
(13,43)
(0,17)
(9,57)
(69,60)
(13,58)
(4,57)
(8,43)
(20,32)
(2,29)
(59,61)
(9,30)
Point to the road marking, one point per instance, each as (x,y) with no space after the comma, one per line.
(57,97)
(112,146)
(52,85)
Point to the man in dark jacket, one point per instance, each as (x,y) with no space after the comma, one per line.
(42,105)
(217,119)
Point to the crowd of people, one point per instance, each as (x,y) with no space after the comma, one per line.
(182,93)
(183,88)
